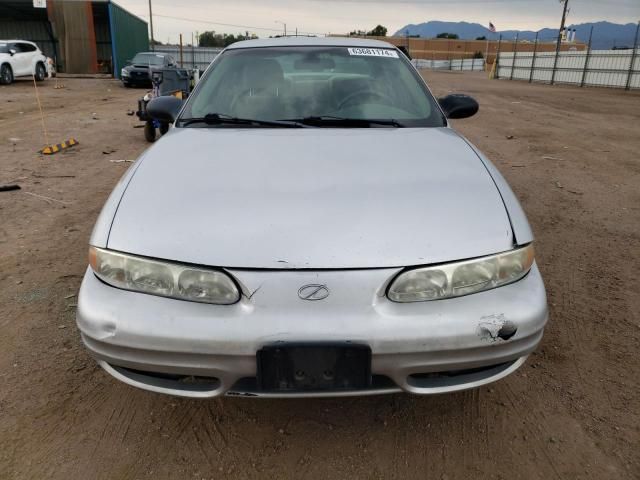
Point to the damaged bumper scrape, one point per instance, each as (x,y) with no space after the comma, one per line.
(496,327)
(201,350)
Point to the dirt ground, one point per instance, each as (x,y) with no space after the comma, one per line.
(573,410)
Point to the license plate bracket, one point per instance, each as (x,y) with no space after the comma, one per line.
(314,367)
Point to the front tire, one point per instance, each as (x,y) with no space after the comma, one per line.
(41,72)
(6,75)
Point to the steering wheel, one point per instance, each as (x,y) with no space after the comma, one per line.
(369,93)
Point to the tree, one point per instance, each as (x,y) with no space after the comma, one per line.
(213,39)
(481,38)
(451,36)
(379,31)
(208,39)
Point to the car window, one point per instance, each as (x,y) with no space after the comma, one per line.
(296,82)
(4,47)
(25,47)
(148,59)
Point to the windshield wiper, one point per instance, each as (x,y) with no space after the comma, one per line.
(331,121)
(223,119)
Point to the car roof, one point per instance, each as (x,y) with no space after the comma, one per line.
(160,54)
(298,41)
(16,41)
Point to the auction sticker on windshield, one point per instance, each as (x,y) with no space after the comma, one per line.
(373,52)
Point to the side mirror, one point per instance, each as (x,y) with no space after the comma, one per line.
(13,51)
(164,109)
(458,106)
(128,62)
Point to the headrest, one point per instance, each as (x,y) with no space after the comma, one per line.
(263,73)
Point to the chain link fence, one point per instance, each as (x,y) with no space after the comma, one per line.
(597,68)
(462,64)
(190,57)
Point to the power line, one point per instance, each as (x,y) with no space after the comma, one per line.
(246,27)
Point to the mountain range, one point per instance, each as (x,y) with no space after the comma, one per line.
(605,34)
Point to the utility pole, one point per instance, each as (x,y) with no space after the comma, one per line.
(285,26)
(151,25)
(559,41)
(564,18)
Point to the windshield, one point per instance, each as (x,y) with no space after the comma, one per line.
(148,59)
(4,48)
(294,83)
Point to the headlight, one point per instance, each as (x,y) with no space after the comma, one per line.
(461,278)
(165,279)
(124,73)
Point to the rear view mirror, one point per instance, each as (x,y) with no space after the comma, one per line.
(164,109)
(314,64)
(458,106)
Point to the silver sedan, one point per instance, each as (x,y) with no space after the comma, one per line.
(311,226)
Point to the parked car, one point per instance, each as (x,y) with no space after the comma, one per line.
(19,58)
(311,225)
(137,71)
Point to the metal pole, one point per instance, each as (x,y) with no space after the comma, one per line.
(533,60)
(633,58)
(515,53)
(486,55)
(559,41)
(586,60)
(151,26)
(495,63)
(181,58)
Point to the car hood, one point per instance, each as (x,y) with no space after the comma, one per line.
(311,198)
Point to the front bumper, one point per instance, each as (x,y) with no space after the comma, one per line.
(135,79)
(198,350)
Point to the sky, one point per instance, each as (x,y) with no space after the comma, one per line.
(266,17)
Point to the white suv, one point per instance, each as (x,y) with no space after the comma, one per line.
(19,58)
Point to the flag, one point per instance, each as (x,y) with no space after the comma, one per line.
(492,27)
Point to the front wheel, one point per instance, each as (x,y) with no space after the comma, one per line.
(6,75)
(149,132)
(41,72)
